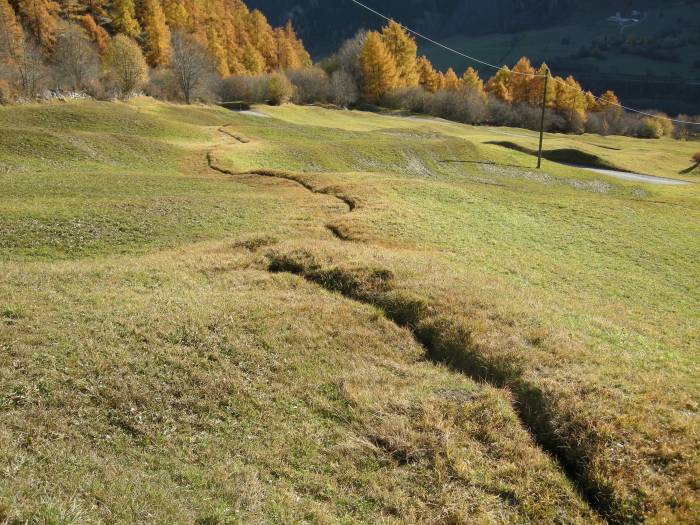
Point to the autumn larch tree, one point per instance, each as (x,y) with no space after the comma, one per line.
(428,78)
(403,49)
(500,85)
(471,81)
(379,75)
(175,14)
(156,35)
(124,18)
(537,87)
(41,16)
(450,81)
(523,83)
(571,102)
(96,33)
(11,34)
(253,61)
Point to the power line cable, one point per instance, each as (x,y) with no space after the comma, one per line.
(440,44)
(532,75)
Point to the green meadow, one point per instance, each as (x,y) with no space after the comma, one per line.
(306,315)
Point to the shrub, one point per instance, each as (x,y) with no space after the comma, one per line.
(124,62)
(414,99)
(311,85)
(650,128)
(238,88)
(279,89)
(343,89)
(665,124)
(163,85)
(461,106)
(5,92)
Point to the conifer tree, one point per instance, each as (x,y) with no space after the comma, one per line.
(298,46)
(537,86)
(176,15)
(156,35)
(608,101)
(42,18)
(261,37)
(472,82)
(500,85)
(252,60)
(124,18)
(287,57)
(11,34)
(427,76)
(571,101)
(450,81)
(96,33)
(377,66)
(403,49)
(591,102)
(72,9)
(217,51)
(523,83)
(95,7)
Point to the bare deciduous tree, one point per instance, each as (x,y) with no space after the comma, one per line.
(75,58)
(343,88)
(191,64)
(29,67)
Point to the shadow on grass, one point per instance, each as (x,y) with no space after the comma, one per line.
(563,155)
(690,169)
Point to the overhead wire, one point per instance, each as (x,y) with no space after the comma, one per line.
(532,75)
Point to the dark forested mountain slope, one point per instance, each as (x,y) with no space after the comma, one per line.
(323,24)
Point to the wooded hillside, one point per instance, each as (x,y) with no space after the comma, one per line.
(240,40)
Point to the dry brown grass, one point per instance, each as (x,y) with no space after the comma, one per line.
(562,415)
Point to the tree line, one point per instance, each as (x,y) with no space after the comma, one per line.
(219,49)
(79,40)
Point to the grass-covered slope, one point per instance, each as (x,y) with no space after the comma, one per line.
(218,318)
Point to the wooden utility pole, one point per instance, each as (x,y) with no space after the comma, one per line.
(544,105)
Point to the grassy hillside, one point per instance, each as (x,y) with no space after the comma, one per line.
(325,316)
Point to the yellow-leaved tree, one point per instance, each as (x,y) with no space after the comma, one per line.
(379,75)
(402,48)
(11,34)
(156,35)
(262,38)
(523,83)
(126,65)
(450,80)
(472,82)
(253,61)
(96,33)
(175,14)
(427,76)
(41,16)
(217,51)
(124,18)
(287,57)
(571,101)
(500,85)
